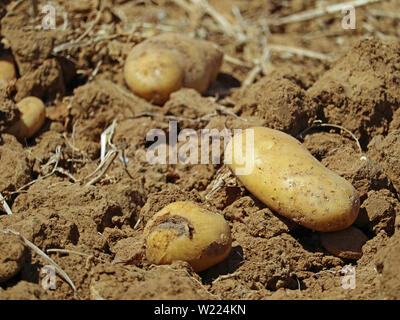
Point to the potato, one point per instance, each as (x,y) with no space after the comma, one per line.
(7,71)
(346,244)
(288,179)
(32,117)
(163,64)
(184,231)
(154,76)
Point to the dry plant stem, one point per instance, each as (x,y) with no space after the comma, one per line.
(315,13)
(125,165)
(344,129)
(34,5)
(183,4)
(62,171)
(319,124)
(251,76)
(96,70)
(260,66)
(15,5)
(300,52)
(80,44)
(54,159)
(137,223)
(238,62)
(5,204)
(226,111)
(94,23)
(96,295)
(104,166)
(68,251)
(218,182)
(42,254)
(385,14)
(227,276)
(225,25)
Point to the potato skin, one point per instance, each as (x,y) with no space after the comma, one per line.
(154,76)
(32,118)
(199,62)
(7,71)
(184,231)
(289,180)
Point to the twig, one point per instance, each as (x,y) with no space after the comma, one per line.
(68,251)
(315,13)
(219,180)
(238,62)
(5,204)
(54,159)
(225,110)
(319,124)
(227,276)
(384,14)
(226,26)
(80,44)
(62,171)
(106,138)
(183,4)
(137,223)
(43,255)
(251,76)
(15,5)
(124,161)
(300,52)
(103,167)
(94,23)
(96,70)
(34,5)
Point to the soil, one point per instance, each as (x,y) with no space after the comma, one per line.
(77,70)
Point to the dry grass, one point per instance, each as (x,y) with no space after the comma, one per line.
(38,251)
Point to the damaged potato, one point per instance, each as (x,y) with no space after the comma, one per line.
(163,64)
(288,179)
(32,117)
(184,231)
(7,71)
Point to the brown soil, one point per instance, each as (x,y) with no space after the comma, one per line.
(101,225)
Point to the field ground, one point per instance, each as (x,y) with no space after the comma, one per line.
(280,73)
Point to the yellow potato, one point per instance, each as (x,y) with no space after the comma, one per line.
(288,179)
(163,64)
(184,231)
(7,72)
(32,118)
(154,76)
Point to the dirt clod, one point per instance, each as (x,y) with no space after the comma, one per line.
(12,256)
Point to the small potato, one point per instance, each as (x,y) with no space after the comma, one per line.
(288,179)
(154,76)
(184,231)
(7,72)
(32,117)
(345,243)
(163,64)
